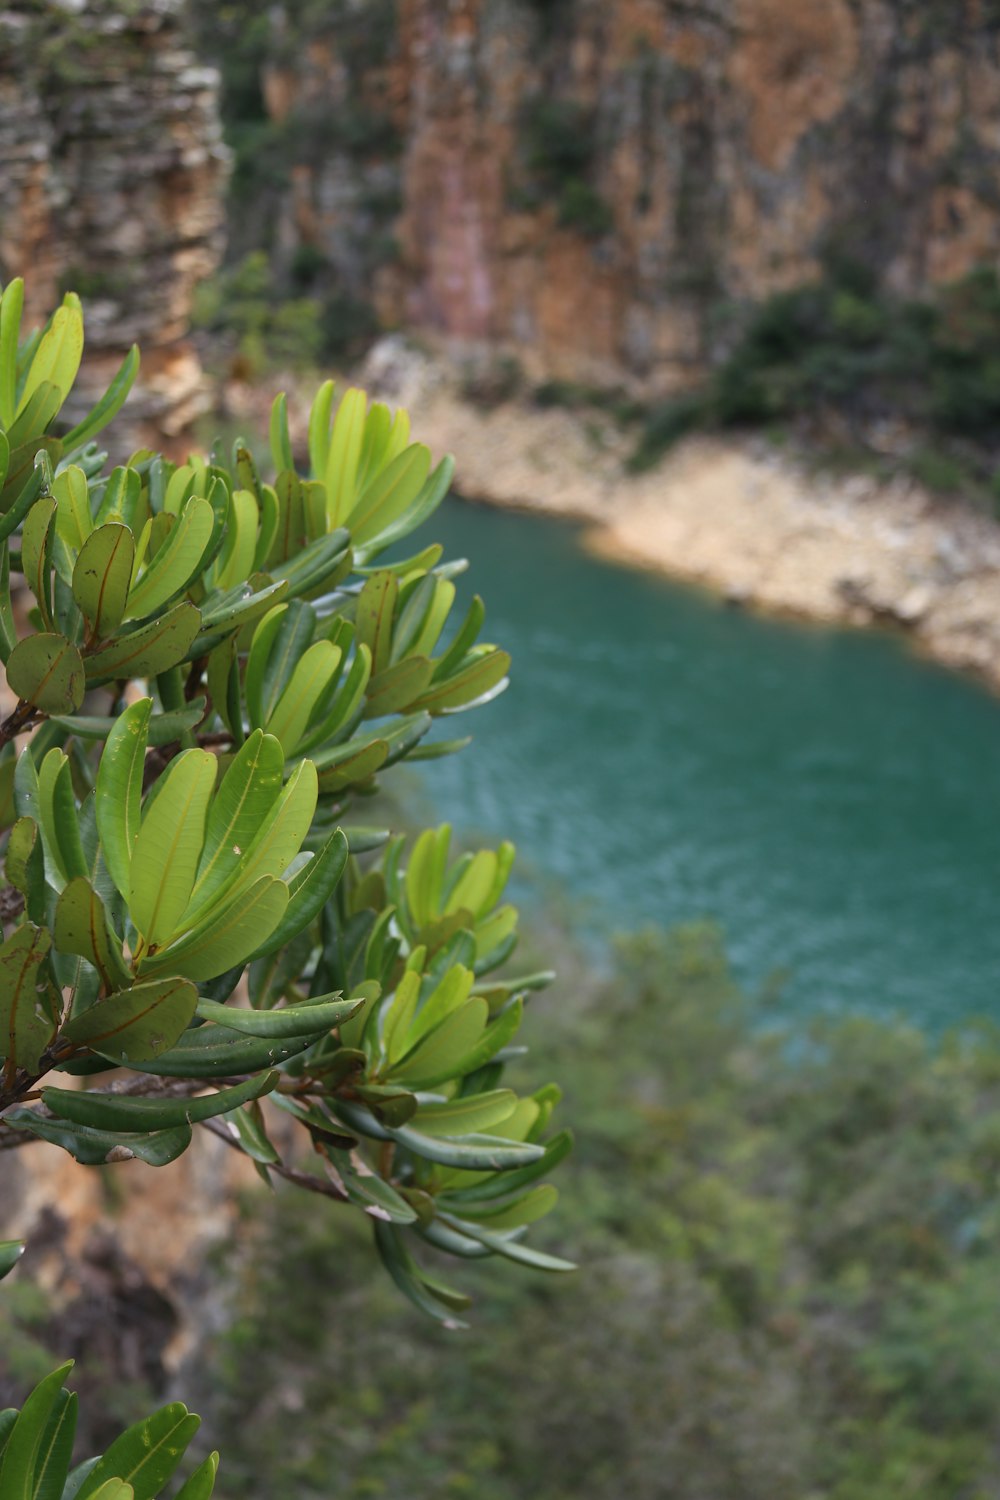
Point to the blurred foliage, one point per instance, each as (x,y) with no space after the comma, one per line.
(790,1282)
(845,348)
(558,147)
(316,304)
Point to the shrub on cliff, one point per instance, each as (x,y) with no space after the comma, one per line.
(207,674)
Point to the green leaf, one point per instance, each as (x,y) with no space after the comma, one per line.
(473,1152)
(248,792)
(169,846)
(398,686)
(539,1260)
(147,1453)
(112,1489)
(176,563)
(307,1018)
(248,1122)
(57,358)
(164,729)
(21,1453)
(25,1023)
(502,1186)
(46,670)
(91,1148)
(341,469)
(102,576)
(109,405)
(82,927)
(58,819)
(117,1112)
(10,1253)
(138,1023)
(471,685)
(11,304)
(309,681)
(119,790)
(390,494)
(228,934)
(406,1274)
(469,1114)
(309,890)
(151,649)
(319,428)
(281,443)
(55,1452)
(376,608)
(202,1482)
(232,609)
(217,1052)
(25,867)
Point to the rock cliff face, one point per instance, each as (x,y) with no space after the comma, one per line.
(112,172)
(588,182)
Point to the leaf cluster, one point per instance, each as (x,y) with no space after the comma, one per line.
(214,670)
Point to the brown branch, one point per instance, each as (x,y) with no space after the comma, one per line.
(25,716)
(290,1174)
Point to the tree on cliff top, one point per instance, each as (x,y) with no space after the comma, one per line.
(208,672)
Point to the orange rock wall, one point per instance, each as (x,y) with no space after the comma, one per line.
(734,140)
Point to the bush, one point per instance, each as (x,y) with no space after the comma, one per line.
(181,840)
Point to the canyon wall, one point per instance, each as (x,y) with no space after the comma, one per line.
(112,175)
(595,185)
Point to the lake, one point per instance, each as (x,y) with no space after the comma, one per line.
(827,797)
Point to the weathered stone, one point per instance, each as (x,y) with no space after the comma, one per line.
(112,169)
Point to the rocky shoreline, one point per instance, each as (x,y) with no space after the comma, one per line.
(737,516)
(740,517)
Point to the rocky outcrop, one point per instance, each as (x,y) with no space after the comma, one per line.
(112,171)
(587,183)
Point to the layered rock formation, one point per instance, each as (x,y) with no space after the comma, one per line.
(112,171)
(587,182)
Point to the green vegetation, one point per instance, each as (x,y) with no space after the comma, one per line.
(844,352)
(790,1278)
(208,673)
(279,307)
(558,147)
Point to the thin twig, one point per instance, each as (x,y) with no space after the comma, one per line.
(290,1174)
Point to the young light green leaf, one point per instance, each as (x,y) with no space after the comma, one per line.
(169,846)
(119,790)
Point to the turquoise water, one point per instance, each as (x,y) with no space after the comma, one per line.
(828,798)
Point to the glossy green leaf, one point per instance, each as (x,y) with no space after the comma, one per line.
(25,1021)
(176,563)
(216,1052)
(147,1453)
(169,846)
(136,1024)
(281,443)
(470,685)
(109,405)
(466,1115)
(55,1451)
(228,934)
(248,792)
(81,927)
(164,729)
(309,891)
(440,1055)
(58,820)
(319,429)
(11,304)
(151,649)
(20,1456)
(112,1489)
(10,1253)
(390,494)
(305,688)
(115,1112)
(57,358)
(102,576)
(308,1018)
(341,469)
(119,790)
(512,1249)
(475,1152)
(201,1483)
(398,686)
(406,1274)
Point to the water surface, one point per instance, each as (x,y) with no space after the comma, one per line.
(830,799)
